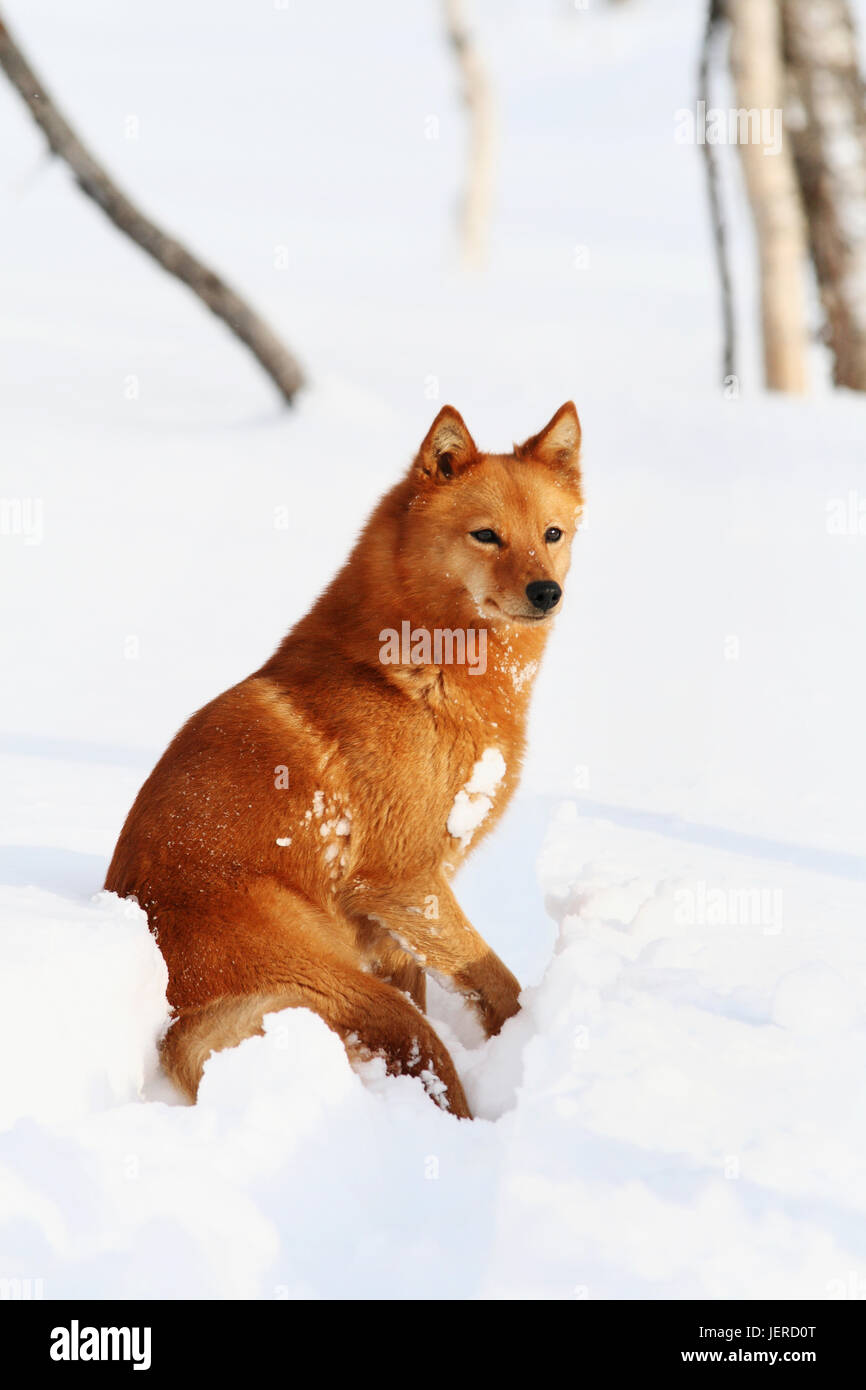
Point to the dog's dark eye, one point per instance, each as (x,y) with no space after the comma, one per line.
(552,534)
(486,536)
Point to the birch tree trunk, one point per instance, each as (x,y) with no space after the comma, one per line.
(771,183)
(477,195)
(829,140)
(174,257)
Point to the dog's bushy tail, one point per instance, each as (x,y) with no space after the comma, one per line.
(373,1019)
(212,1027)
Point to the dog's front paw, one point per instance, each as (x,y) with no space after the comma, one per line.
(493,991)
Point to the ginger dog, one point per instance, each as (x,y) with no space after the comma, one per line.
(294,844)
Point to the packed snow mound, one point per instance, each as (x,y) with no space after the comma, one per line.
(82,1002)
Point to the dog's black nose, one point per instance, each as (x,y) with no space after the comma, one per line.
(543,594)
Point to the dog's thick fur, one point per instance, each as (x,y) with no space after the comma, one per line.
(292,846)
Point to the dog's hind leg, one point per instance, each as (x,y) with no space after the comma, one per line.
(373,1019)
(388,961)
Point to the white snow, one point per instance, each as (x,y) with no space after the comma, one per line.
(475,800)
(521,674)
(82,1002)
(680,884)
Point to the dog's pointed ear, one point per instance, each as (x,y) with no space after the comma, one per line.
(447,448)
(558,444)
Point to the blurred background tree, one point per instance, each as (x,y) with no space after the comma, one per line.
(477,196)
(758,72)
(808,199)
(826,115)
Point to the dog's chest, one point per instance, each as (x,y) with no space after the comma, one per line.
(479,759)
(459,743)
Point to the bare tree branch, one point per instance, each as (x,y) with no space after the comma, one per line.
(93,180)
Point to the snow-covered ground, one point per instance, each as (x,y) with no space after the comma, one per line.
(678,1109)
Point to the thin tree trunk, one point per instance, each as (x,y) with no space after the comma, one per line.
(219,297)
(829,139)
(771,182)
(478,189)
(711,166)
